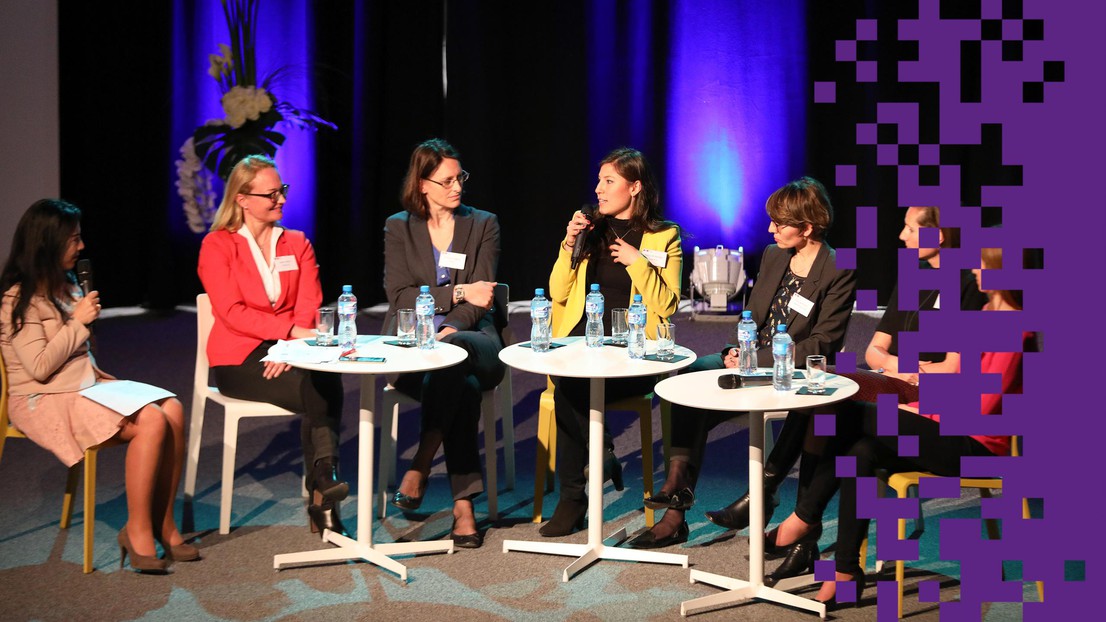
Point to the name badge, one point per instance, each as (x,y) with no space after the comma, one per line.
(937,302)
(657,258)
(452,260)
(286,263)
(801,304)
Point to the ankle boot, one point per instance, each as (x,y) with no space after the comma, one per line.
(325,481)
(567,518)
(325,516)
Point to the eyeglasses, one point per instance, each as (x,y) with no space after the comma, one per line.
(272,196)
(448,183)
(781,225)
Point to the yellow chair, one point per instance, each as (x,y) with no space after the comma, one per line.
(907,482)
(497,400)
(7,430)
(547,445)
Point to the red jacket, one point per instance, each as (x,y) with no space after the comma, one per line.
(243,316)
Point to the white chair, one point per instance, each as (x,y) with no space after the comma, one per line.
(234,410)
(500,399)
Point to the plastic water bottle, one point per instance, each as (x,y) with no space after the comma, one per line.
(593,307)
(540,333)
(347,319)
(635,317)
(424,319)
(747,344)
(783,353)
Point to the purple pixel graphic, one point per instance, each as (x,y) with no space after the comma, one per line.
(1017,85)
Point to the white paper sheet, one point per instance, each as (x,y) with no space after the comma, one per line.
(297,351)
(125,397)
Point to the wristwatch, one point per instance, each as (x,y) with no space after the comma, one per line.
(458,294)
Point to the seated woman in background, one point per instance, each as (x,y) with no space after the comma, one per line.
(454,249)
(44,337)
(630,250)
(799,285)
(263,281)
(857,436)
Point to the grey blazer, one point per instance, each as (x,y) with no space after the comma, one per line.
(832,291)
(409,263)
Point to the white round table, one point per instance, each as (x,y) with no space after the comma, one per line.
(576,360)
(701,390)
(397,360)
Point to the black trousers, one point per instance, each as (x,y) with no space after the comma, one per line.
(572,400)
(856,436)
(318,395)
(451,405)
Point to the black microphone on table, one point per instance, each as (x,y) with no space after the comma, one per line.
(582,238)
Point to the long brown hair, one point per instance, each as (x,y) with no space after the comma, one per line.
(425,159)
(40,240)
(645,210)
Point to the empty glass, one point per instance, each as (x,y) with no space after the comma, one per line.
(666,340)
(620,326)
(816,374)
(405,326)
(324,327)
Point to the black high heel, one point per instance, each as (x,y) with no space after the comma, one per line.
(770,546)
(832,604)
(680,500)
(467,541)
(568,518)
(326,481)
(799,561)
(612,470)
(406,502)
(736,514)
(325,516)
(142,563)
(649,540)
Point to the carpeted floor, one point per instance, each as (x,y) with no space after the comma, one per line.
(40,565)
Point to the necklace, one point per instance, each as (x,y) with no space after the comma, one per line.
(628,231)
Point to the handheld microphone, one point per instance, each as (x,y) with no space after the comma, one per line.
(582,239)
(84,275)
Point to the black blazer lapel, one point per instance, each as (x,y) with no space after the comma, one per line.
(768,281)
(810,287)
(423,247)
(462,231)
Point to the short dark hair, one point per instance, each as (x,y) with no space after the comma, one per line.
(802,202)
(424,159)
(34,263)
(930,216)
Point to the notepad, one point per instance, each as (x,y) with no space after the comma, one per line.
(125,397)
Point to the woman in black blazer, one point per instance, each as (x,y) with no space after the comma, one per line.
(454,249)
(799,285)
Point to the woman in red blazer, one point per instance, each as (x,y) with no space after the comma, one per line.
(263,281)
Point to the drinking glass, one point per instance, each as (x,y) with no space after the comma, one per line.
(666,340)
(405,326)
(816,374)
(620,325)
(324,327)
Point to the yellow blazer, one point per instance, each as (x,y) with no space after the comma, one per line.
(659,287)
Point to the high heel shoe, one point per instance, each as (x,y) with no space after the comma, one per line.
(406,502)
(770,546)
(182,552)
(326,516)
(799,561)
(681,500)
(832,604)
(142,563)
(612,470)
(736,514)
(649,540)
(326,481)
(466,541)
(567,518)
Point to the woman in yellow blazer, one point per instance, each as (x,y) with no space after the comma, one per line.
(629,250)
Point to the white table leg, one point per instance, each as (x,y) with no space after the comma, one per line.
(737,590)
(594,550)
(362,548)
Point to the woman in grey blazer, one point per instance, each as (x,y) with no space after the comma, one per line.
(453,248)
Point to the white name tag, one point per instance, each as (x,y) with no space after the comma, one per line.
(452,260)
(286,263)
(800,304)
(937,302)
(657,258)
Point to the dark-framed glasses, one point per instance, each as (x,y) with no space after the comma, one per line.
(448,183)
(781,225)
(272,196)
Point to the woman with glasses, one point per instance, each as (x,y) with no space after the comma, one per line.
(454,249)
(263,281)
(44,335)
(629,249)
(800,285)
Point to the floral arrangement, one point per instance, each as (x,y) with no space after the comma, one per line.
(251,112)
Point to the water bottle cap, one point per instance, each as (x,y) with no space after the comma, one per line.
(746,315)
(637,297)
(424,289)
(539,291)
(594,287)
(781,328)
(347,289)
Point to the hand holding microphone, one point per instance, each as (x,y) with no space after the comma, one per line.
(88,308)
(577,232)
